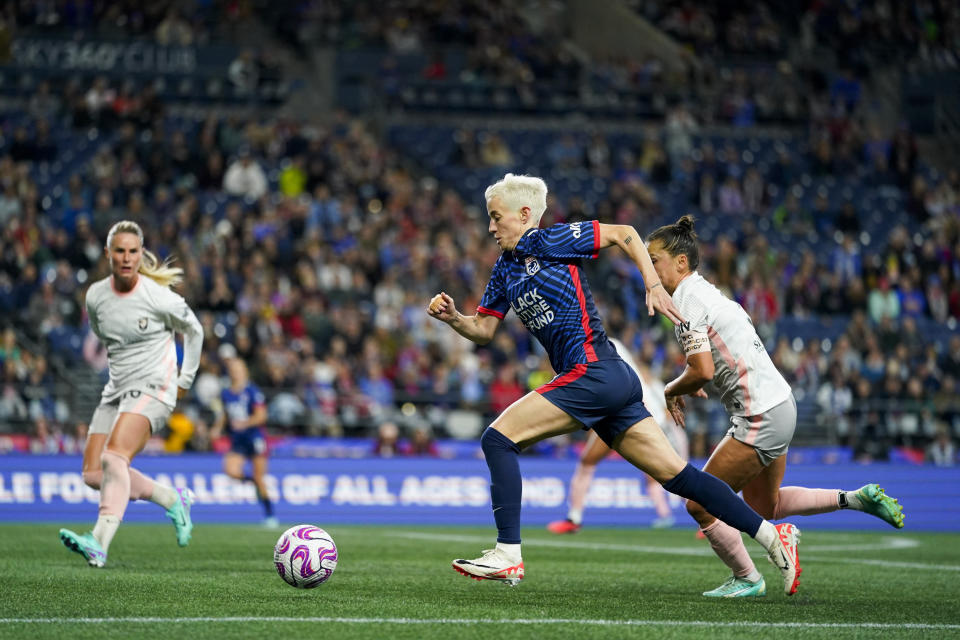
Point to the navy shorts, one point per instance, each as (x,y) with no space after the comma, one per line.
(604,396)
(249,442)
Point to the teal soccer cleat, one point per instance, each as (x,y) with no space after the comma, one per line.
(736,587)
(180,514)
(86,545)
(879,504)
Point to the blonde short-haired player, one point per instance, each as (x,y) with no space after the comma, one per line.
(135,315)
(540,277)
(727,358)
(595,450)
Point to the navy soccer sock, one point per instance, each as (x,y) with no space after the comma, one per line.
(716,497)
(506,486)
(266,503)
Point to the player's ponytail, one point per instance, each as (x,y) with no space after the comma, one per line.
(679,238)
(685,224)
(159,271)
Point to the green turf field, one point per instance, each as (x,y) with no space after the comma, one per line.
(397,583)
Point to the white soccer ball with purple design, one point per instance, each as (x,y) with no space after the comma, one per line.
(305,556)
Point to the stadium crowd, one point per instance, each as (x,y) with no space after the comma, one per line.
(311,249)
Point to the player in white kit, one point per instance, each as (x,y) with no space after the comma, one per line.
(135,315)
(726,358)
(595,450)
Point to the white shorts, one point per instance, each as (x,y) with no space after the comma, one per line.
(770,432)
(130,402)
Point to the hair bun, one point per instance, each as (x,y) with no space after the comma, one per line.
(685,223)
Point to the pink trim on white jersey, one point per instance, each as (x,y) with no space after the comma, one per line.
(736,365)
(123,294)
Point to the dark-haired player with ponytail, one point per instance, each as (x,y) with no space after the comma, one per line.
(540,277)
(727,358)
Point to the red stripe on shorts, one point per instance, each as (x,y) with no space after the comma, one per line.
(562,381)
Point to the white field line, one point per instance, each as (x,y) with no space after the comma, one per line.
(886,544)
(494,621)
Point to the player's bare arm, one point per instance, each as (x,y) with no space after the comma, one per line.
(259,417)
(698,372)
(219,422)
(627,238)
(479,328)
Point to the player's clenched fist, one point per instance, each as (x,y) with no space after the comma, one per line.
(442,307)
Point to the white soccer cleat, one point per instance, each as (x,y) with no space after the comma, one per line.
(784,556)
(492,565)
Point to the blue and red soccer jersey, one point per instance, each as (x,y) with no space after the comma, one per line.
(240,406)
(544,284)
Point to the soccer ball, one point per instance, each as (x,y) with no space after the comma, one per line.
(305,556)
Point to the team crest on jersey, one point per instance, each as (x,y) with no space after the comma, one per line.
(532,265)
(142,323)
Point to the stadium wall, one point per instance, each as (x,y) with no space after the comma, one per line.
(430,491)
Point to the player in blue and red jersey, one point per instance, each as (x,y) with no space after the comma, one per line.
(244,414)
(539,276)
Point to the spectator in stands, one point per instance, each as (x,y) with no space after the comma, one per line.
(12,405)
(466,152)
(883,302)
(912,302)
(422,443)
(942,452)
(506,389)
(245,177)
(98,101)
(950,360)
(566,153)
(46,437)
(174,30)
(754,191)
(387,442)
(679,129)
(730,197)
(293,177)
(43,104)
(597,156)
(242,72)
(847,262)
(494,152)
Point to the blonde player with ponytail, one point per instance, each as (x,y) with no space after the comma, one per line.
(136,318)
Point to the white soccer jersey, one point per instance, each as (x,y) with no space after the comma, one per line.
(744,376)
(655,402)
(653,398)
(137,329)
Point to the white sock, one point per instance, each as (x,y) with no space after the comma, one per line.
(850,500)
(753,576)
(512,551)
(575,516)
(767,535)
(163,495)
(105,529)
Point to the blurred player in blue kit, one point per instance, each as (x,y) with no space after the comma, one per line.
(539,276)
(244,413)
